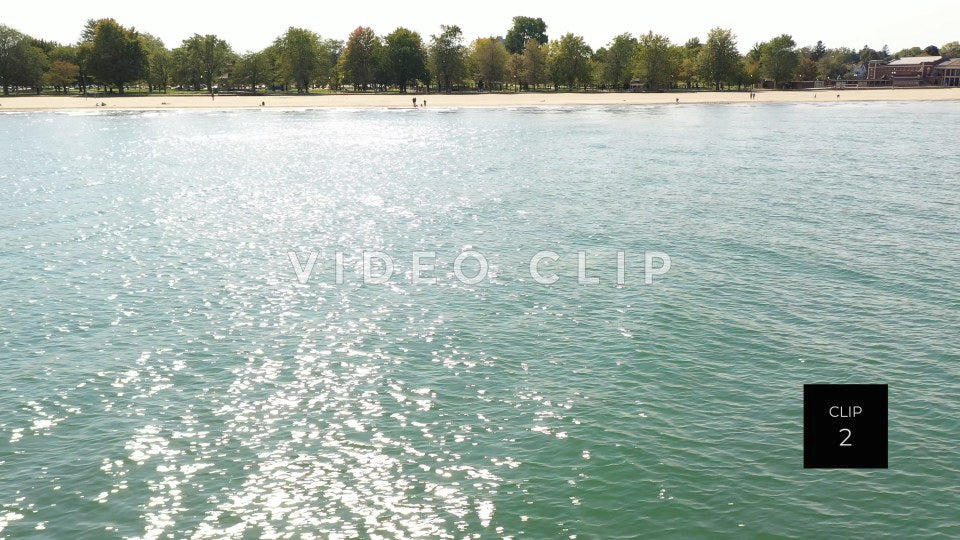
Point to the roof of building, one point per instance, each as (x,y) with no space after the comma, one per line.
(914,60)
(955,63)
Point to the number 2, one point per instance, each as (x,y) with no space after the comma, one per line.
(847,438)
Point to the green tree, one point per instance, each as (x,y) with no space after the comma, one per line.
(595,66)
(159,63)
(819,51)
(361,56)
(85,52)
(10,40)
(275,73)
(515,70)
(807,69)
(32,63)
(381,71)
(778,59)
(208,57)
(22,62)
(719,59)
(448,56)
(405,58)
(656,62)
(488,62)
(117,55)
(62,74)
(741,76)
(534,63)
(85,79)
(524,29)
(690,61)
(303,58)
(834,63)
(335,75)
(89,31)
(951,50)
(750,66)
(185,71)
(617,62)
(867,54)
(253,69)
(66,53)
(71,55)
(568,61)
(902,53)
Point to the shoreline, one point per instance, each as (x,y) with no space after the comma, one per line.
(447,101)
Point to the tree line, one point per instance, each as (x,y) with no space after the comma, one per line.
(110,57)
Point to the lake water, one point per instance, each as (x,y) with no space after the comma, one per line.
(165,374)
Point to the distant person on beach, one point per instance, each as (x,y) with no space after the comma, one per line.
(424,103)
(678,100)
(263,103)
(838,96)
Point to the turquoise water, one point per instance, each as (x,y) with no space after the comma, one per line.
(164,373)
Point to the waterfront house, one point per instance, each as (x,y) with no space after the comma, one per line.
(908,71)
(947,73)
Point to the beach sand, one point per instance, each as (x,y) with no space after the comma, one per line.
(161,101)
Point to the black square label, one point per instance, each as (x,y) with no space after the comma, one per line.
(845,426)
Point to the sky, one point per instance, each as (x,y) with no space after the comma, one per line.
(254,25)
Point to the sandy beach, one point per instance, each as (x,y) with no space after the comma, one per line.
(161,101)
